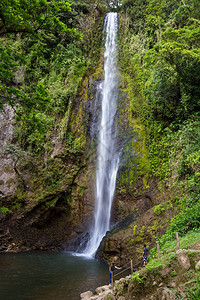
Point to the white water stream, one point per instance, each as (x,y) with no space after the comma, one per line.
(108,156)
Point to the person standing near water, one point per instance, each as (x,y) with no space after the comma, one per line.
(144,255)
(112,267)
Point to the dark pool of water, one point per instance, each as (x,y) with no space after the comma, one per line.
(39,276)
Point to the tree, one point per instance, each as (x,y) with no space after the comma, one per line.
(113,4)
(31,16)
(36,20)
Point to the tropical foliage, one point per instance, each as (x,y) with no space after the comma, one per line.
(160,62)
(44,55)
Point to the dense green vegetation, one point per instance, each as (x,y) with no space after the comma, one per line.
(160,63)
(47,49)
(44,56)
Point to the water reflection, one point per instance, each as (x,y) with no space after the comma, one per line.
(48,276)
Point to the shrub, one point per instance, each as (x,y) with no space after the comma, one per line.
(187,220)
(4,210)
(159,209)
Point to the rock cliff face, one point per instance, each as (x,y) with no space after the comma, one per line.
(8,176)
(140,223)
(46,219)
(49,203)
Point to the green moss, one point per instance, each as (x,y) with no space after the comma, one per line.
(10,181)
(135,230)
(81,190)
(17,206)
(142,231)
(21,196)
(123,190)
(173,273)
(192,253)
(139,238)
(137,278)
(169,205)
(155,225)
(52,203)
(159,210)
(4,210)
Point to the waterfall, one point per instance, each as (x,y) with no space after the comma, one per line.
(107,156)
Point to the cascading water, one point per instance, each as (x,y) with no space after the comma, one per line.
(108,156)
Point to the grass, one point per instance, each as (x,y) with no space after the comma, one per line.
(190,239)
(186,242)
(168,253)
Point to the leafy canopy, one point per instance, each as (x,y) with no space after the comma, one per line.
(31,16)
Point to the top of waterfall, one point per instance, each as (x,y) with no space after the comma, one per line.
(114,5)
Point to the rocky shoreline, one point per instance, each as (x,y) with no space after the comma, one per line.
(105,292)
(101,293)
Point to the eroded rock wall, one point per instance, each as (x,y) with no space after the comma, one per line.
(54,207)
(8,176)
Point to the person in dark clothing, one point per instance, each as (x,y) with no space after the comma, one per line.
(144,255)
(112,267)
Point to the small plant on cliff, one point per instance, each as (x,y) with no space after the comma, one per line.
(173,273)
(4,210)
(159,209)
(137,278)
(135,230)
